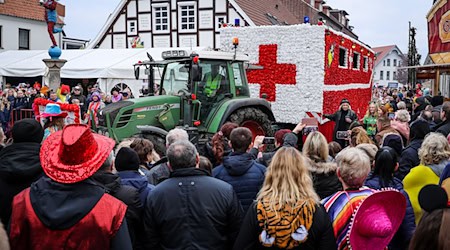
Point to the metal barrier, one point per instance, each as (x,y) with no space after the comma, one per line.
(17,115)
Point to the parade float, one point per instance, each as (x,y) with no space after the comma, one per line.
(305,70)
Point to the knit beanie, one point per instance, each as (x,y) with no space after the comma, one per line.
(394,141)
(27,130)
(419,129)
(126,159)
(345,101)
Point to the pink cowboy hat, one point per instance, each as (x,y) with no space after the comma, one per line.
(376,220)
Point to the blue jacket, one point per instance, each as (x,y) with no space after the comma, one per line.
(405,232)
(244,174)
(138,181)
(409,158)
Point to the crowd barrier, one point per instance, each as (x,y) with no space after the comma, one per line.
(17,115)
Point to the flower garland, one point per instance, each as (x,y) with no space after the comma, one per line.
(69,108)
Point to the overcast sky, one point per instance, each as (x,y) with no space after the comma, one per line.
(376,22)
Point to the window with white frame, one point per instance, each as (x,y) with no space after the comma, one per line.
(366,63)
(1,36)
(356,60)
(24,39)
(381,75)
(389,62)
(388,75)
(161,18)
(395,63)
(187,16)
(343,57)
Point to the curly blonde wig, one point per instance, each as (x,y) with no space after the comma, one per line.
(434,150)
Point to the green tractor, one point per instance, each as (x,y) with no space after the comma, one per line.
(198,91)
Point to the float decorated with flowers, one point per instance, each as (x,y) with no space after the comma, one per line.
(72,110)
(305,70)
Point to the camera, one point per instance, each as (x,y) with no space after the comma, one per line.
(269,140)
(342,135)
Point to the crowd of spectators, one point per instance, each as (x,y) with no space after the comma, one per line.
(383,182)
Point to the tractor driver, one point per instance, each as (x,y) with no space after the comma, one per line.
(213,80)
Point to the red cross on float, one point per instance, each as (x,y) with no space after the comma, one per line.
(272,72)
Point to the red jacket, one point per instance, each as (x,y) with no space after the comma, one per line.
(94,231)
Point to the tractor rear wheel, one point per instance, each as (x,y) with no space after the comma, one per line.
(159,142)
(254,119)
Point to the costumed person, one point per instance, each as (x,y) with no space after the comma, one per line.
(343,118)
(65,209)
(94,106)
(54,119)
(382,176)
(361,217)
(287,213)
(44,91)
(63,93)
(51,16)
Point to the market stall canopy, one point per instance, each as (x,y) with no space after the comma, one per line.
(81,64)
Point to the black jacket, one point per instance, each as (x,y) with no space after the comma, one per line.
(191,210)
(409,158)
(159,172)
(130,196)
(320,235)
(207,151)
(19,167)
(324,177)
(443,128)
(336,117)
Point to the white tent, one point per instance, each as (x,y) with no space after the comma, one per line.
(109,66)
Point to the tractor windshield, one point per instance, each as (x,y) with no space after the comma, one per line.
(175,78)
(214,78)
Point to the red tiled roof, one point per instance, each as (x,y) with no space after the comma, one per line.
(381,52)
(257,10)
(28,9)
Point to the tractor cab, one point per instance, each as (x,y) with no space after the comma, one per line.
(203,80)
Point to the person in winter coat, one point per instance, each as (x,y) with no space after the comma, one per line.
(77,94)
(219,147)
(127,194)
(287,213)
(160,170)
(401,124)
(65,209)
(410,155)
(127,166)
(191,209)
(323,171)
(145,150)
(386,163)
(434,156)
(283,138)
(420,104)
(444,126)
(5,113)
(240,169)
(384,127)
(353,169)
(19,163)
(343,118)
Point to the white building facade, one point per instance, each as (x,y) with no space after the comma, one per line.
(388,60)
(24,34)
(168,23)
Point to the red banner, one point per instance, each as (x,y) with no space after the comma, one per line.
(439,29)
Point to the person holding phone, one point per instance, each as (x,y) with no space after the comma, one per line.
(343,118)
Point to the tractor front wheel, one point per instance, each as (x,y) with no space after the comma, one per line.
(254,119)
